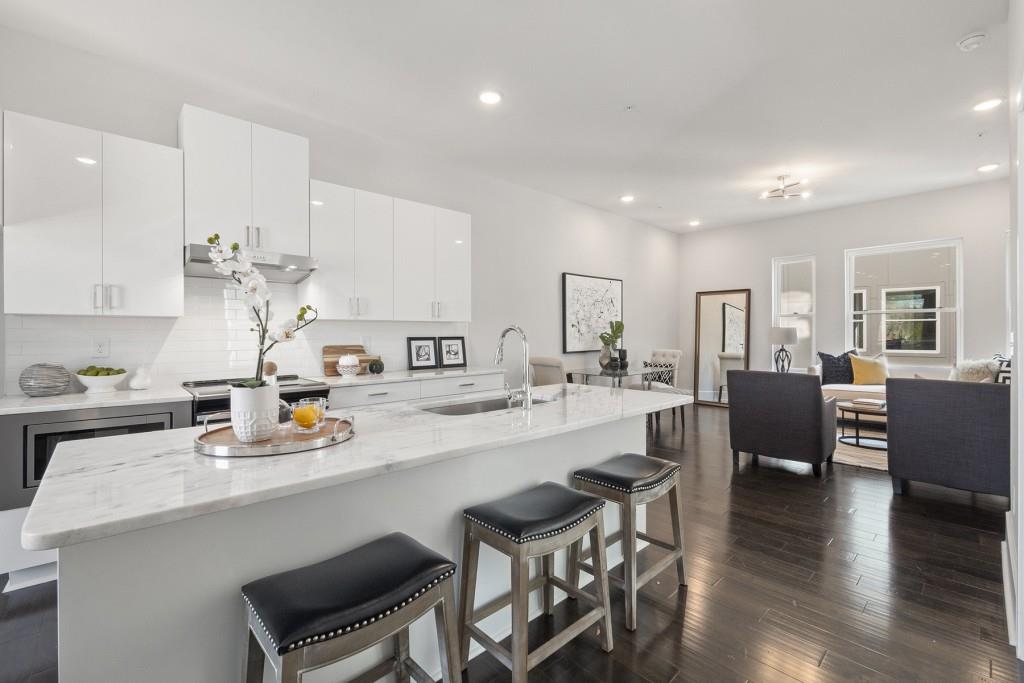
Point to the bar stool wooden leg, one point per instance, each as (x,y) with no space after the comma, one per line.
(467,591)
(600,560)
(628,516)
(401,654)
(676,506)
(254,660)
(549,589)
(573,566)
(448,636)
(520,617)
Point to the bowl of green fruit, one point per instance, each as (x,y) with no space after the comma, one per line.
(100,380)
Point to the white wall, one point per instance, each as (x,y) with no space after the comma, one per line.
(740,257)
(522,239)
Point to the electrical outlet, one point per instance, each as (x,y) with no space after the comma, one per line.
(100,347)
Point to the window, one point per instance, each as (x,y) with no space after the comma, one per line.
(793,304)
(911,319)
(858,305)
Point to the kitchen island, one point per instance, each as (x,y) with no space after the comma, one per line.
(155,541)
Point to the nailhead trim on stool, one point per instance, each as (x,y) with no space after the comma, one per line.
(645,487)
(534,537)
(340,631)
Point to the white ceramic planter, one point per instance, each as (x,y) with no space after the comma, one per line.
(254,412)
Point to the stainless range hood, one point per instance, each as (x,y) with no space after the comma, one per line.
(287,268)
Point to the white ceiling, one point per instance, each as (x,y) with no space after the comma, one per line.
(869,99)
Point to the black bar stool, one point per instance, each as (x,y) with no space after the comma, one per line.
(314,616)
(631,480)
(534,523)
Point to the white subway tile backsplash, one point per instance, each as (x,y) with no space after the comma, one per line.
(212,339)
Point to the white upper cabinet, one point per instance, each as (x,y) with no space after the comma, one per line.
(93,222)
(53,217)
(414,261)
(331,287)
(143,228)
(247,182)
(280,191)
(432,263)
(218,176)
(452,265)
(374,249)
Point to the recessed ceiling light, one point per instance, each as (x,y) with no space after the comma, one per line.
(805,195)
(694,223)
(627,199)
(490,97)
(85,160)
(988,104)
(316,202)
(988,168)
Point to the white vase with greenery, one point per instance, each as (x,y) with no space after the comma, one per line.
(254,402)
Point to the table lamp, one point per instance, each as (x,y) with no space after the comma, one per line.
(780,336)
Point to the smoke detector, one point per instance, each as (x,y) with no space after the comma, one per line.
(972,41)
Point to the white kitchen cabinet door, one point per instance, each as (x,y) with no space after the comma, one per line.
(414,261)
(280,191)
(143,228)
(331,287)
(452,265)
(218,176)
(53,215)
(374,216)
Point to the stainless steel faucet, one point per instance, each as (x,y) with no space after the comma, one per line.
(526,393)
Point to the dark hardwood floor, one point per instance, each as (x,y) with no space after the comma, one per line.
(791,579)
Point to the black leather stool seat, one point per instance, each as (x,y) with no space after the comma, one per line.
(345,593)
(545,510)
(629,472)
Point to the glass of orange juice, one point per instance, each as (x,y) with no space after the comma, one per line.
(308,414)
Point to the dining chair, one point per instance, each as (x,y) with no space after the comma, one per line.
(547,370)
(664,365)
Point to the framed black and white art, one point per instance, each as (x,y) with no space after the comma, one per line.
(422,352)
(451,352)
(589,304)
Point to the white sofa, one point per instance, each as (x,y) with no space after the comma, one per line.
(848,392)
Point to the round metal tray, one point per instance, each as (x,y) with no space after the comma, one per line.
(222,443)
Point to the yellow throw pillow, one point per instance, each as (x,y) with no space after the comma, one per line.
(869,370)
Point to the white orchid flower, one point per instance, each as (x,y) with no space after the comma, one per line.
(285,333)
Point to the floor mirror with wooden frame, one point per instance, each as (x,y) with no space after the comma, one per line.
(721,342)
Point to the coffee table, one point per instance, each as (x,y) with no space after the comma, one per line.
(873,442)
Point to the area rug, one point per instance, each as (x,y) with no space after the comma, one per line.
(861,457)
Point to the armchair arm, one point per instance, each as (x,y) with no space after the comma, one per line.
(828,426)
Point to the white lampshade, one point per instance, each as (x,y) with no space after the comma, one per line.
(780,336)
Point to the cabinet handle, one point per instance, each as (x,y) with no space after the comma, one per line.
(259,237)
(468,384)
(97,297)
(351,310)
(379,393)
(248,236)
(438,310)
(113,296)
(359,306)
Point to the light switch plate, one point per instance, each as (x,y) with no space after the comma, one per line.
(100,347)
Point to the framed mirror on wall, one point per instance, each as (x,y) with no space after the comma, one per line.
(721,342)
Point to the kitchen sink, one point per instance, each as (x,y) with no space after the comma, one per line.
(486,405)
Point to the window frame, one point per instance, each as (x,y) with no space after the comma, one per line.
(777,263)
(863,320)
(884,320)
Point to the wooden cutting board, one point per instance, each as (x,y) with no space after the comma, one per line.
(331,354)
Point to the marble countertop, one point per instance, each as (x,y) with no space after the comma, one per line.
(389,376)
(10,405)
(102,487)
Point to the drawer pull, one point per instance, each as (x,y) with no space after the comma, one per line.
(468,384)
(379,393)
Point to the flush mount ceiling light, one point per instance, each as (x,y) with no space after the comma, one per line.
(694,223)
(972,41)
(988,168)
(490,97)
(986,105)
(85,160)
(787,189)
(627,199)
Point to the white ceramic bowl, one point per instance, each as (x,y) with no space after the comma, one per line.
(100,384)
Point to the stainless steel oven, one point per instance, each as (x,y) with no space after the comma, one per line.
(42,439)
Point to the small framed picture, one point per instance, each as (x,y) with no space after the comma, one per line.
(452,352)
(422,352)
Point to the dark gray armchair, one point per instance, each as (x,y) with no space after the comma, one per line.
(954,434)
(781,415)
